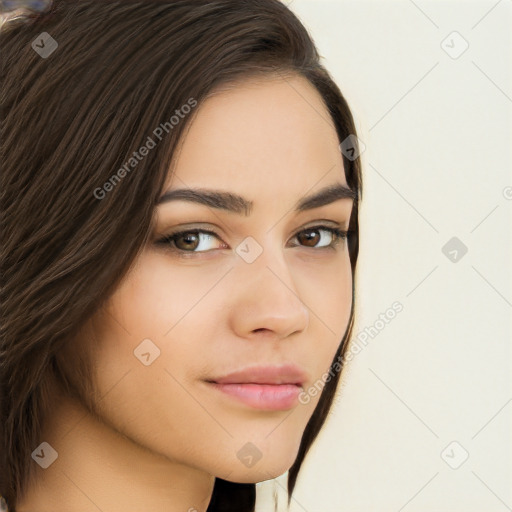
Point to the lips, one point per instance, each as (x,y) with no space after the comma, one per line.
(283,374)
(269,388)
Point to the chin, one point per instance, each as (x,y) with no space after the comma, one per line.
(266,468)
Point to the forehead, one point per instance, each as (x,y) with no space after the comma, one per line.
(264,137)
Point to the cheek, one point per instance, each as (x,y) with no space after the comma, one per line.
(330,306)
(158,301)
(330,302)
(148,330)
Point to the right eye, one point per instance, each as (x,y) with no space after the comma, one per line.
(190,240)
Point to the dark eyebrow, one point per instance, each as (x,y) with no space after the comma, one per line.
(237,204)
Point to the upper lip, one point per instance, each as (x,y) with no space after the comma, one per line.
(282,374)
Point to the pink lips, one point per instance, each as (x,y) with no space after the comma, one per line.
(270,388)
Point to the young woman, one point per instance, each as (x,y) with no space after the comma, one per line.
(179,245)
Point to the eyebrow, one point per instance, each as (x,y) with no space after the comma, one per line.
(237,204)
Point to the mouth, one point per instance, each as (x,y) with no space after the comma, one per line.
(270,388)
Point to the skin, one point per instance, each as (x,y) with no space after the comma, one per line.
(161,434)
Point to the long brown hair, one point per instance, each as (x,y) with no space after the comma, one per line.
(72,117)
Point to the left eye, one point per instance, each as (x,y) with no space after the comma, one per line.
(197,240)
(337,236)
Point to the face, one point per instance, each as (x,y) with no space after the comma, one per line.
(263,290)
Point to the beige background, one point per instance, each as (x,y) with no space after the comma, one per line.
(434,385)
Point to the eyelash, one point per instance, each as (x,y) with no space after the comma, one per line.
(168,240)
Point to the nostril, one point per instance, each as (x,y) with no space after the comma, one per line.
(262,329)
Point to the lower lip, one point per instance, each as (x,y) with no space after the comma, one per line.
(269,397)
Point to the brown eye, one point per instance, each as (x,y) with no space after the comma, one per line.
(190,240)
(309,238)
(315,235)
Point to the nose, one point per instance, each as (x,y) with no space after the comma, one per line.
(265,299)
